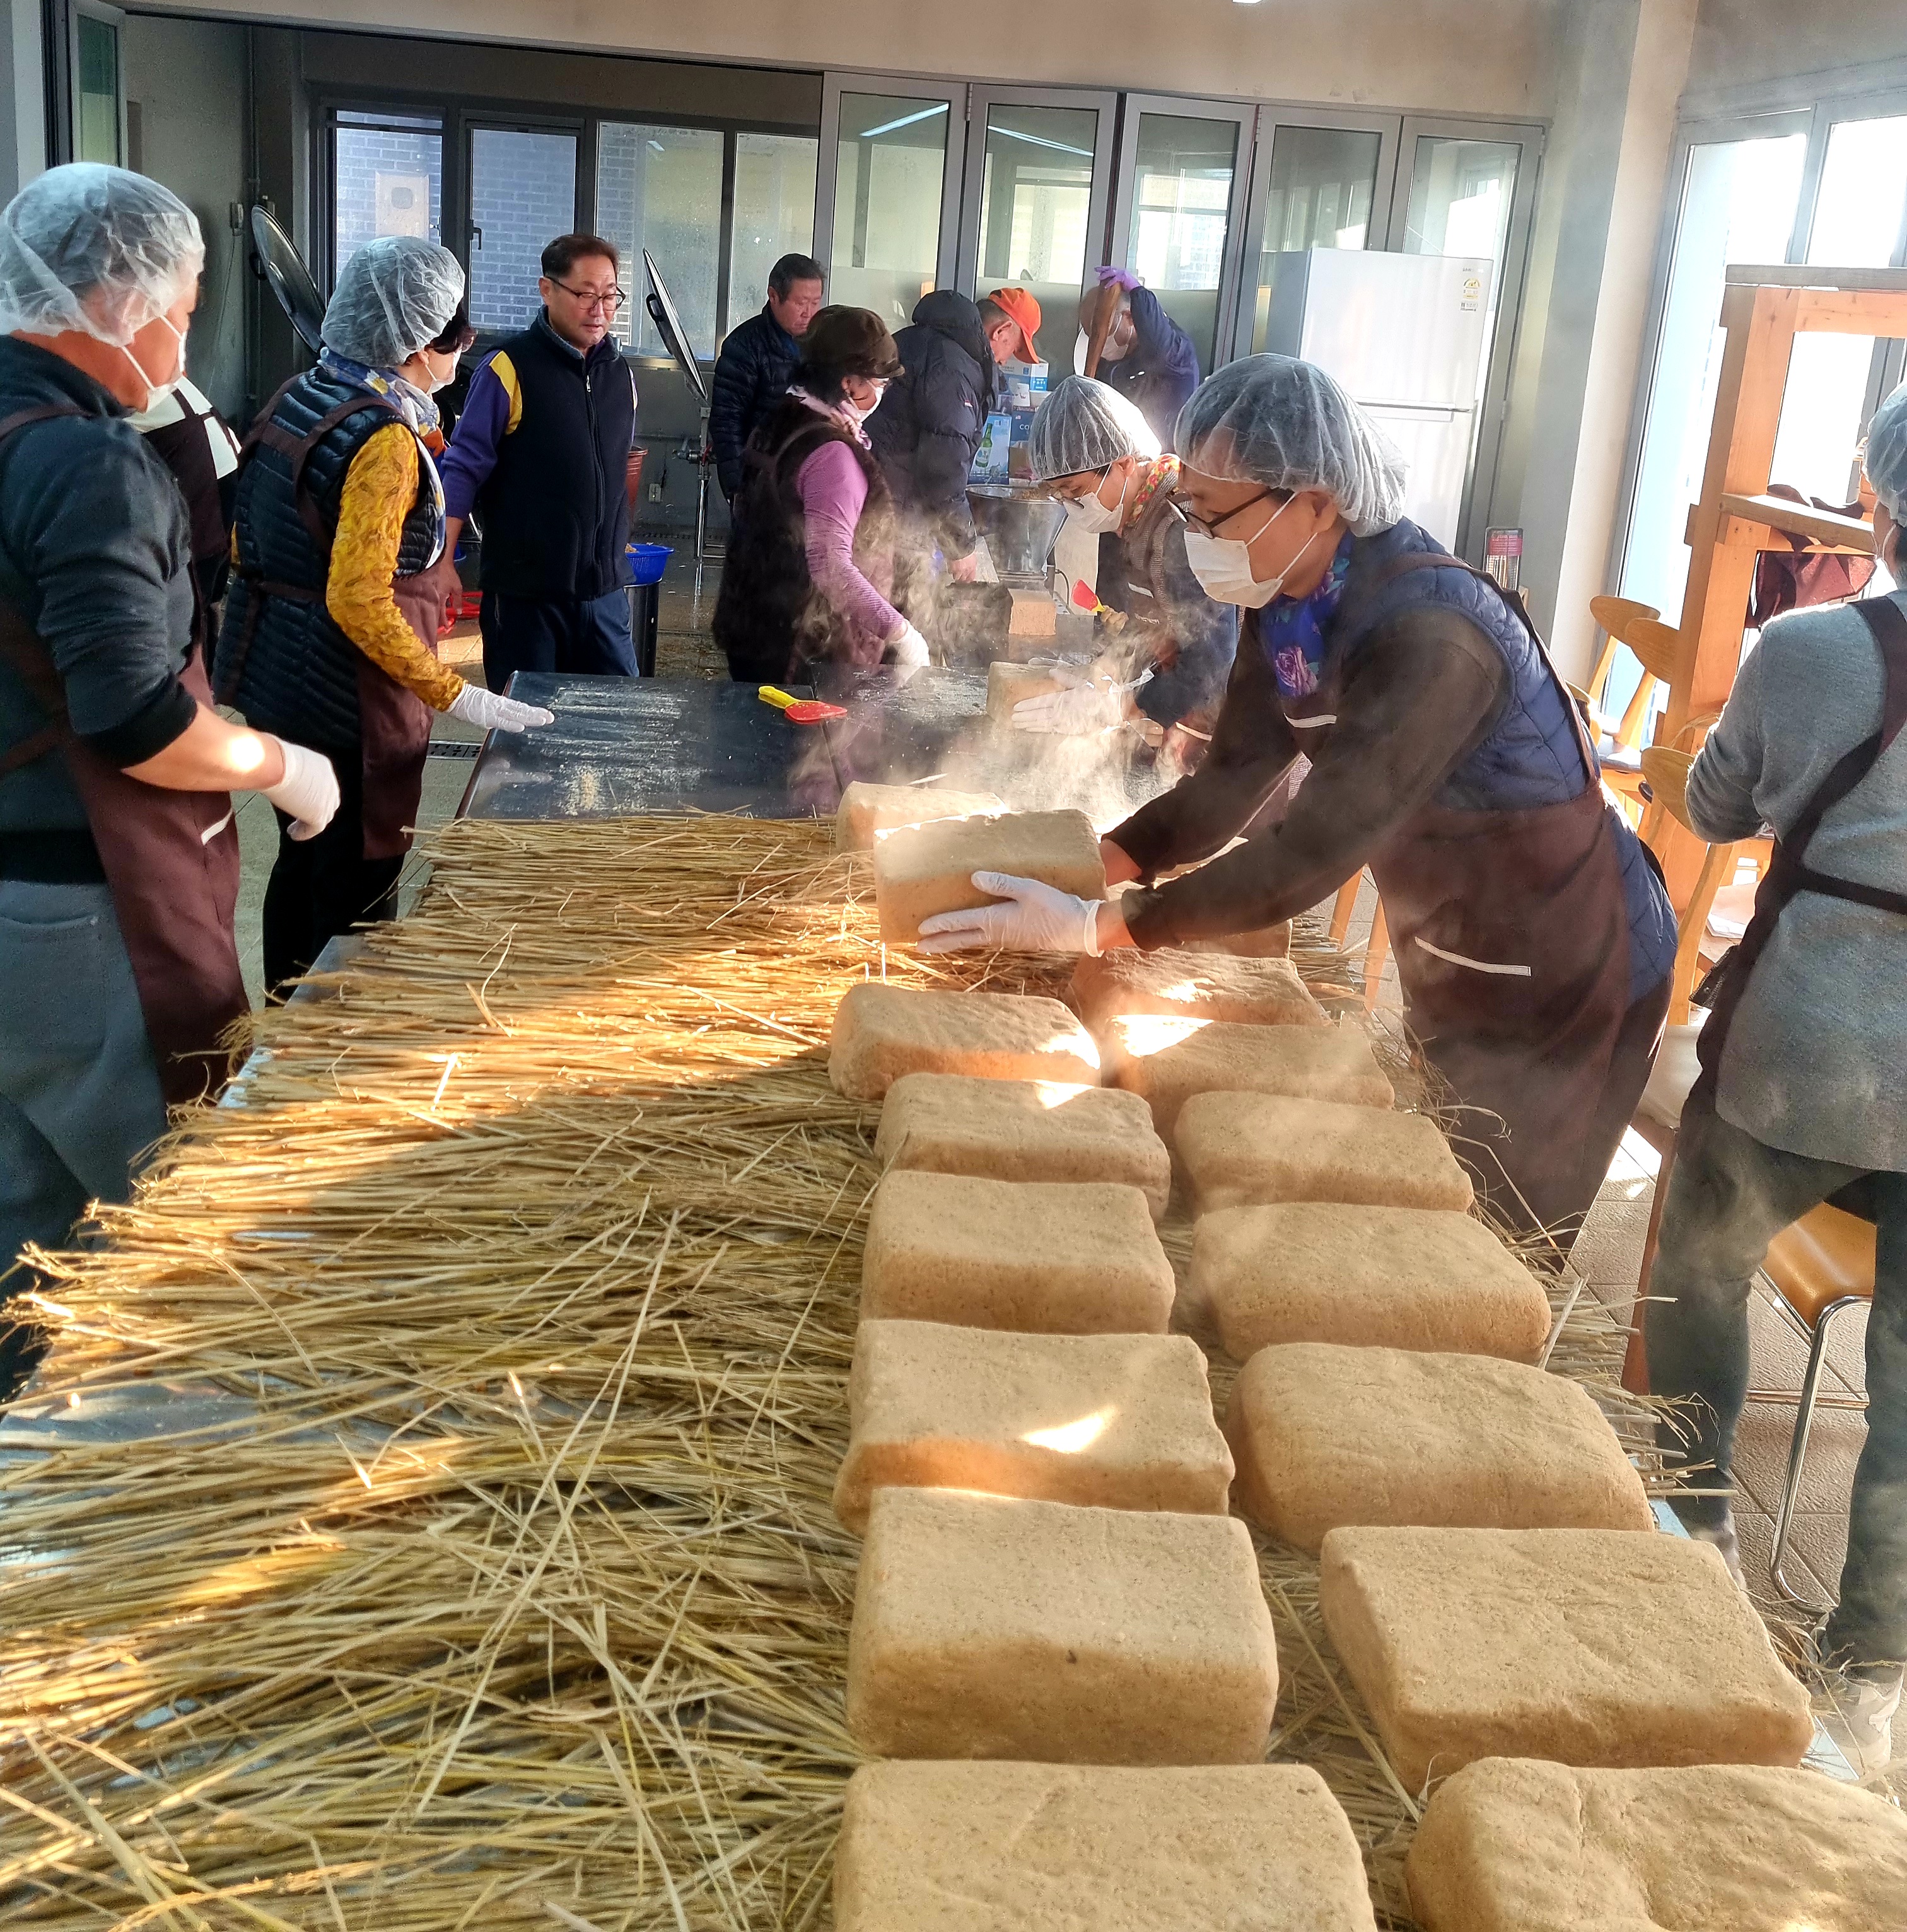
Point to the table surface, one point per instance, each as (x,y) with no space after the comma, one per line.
(630,747)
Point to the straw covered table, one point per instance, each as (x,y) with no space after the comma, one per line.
(477,1568)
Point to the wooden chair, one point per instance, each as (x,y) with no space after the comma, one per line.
(1820,1266)
(1656,647)
(1377,949)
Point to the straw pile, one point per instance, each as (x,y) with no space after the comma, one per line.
(493,1581)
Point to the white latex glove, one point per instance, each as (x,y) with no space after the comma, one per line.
(1086,708)
(909,648)
(1029,918)
(308,793)
(473,705)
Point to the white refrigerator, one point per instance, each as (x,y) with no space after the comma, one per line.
(1406,335)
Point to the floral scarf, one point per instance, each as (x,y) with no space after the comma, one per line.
(1292,629)
(419,410)
(841,418)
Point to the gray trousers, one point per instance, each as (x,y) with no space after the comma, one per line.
(1729,1195)
(80,1099)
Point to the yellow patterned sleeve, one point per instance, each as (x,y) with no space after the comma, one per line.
(379,488)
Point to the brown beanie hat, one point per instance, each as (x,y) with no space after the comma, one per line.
(842,342)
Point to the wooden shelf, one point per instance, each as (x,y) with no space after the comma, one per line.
(1823,529)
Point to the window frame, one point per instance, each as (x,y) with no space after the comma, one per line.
(1244,115)
(324,128)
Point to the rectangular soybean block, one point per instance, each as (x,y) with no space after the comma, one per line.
(1595,1647)
(924,869)
(1239,1149)
(988,1628)
(883,1032)
(1198,985)
(865,811)
(1168,1058)
(1384,1277)
(985,1847)
(1325,1436)
(1517,1845)
(1041,1257)
(1023,1130)
(1007,683)
(1109,1421)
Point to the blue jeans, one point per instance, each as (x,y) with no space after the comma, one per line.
(80,1099)
(1729,1195)
(583,637)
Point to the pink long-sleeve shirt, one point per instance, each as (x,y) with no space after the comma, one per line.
(833,491)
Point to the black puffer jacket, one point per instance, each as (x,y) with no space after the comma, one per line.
(928,424)
(751,376)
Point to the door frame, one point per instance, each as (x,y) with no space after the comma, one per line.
(1493,405)
(1243,115)
(983,95)
(461,124)
(835,83)
(1270,117)
(110,16)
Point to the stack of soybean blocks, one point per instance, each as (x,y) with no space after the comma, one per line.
(1060,1646)
(1060,1643)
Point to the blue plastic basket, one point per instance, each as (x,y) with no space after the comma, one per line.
(648,561)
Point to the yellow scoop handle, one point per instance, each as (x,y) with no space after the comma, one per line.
(781,700)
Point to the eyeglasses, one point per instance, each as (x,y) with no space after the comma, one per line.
(594,298)
(1212,525)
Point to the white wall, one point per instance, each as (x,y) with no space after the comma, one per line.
(1454,56)
(1745,44)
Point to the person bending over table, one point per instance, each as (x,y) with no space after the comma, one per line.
(1533,939)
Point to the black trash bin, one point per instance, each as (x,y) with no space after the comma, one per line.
(645,607)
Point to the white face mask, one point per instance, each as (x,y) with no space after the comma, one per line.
(1091,513)
(1222,565)
(156,393)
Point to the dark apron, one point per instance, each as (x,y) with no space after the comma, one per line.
(1511,935)
(171,859)
(394,724)
(1789,874)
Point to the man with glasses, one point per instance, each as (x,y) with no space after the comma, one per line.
(542,453)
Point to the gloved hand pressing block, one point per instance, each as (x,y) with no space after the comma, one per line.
(988,1628)
(867,811)
(1111,1421)
(981,1847)
(1071,1259)
(1326,1436)
(1008,684)
(930,869)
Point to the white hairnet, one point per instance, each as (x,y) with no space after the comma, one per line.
(1274,420)
(98,250)
(1887,453)
(395,296)
(1082,424)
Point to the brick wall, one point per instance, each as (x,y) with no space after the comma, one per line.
(523,195)
(363,155)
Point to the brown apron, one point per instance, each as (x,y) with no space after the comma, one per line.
(1511,934)
(171,859)
(1789,873)
(394,724)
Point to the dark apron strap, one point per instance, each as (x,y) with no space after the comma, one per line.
(1789,874)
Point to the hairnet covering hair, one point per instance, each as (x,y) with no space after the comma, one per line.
(1083,424)
(1887,453)
(1273,420)
(394,296)
(98,250)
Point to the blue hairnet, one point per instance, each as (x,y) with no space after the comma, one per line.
(1084,425)
(395,296)
(98,250)
(1886,454)
(1273,420)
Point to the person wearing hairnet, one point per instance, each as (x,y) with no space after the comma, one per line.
(1533,939)
(1799,1098)
(331,620)
(118,860)
(1094,451)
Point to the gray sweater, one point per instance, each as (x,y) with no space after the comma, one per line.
(1814,1059)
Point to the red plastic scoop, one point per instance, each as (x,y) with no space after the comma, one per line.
(799,710)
